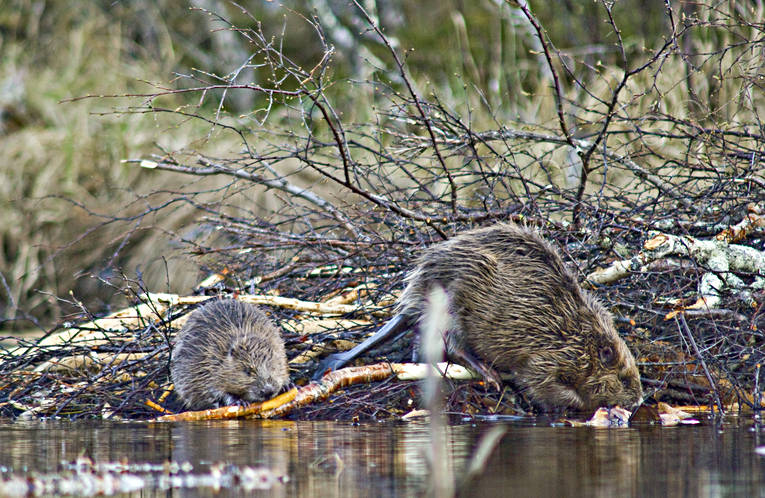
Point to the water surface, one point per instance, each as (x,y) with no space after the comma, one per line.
(391,459)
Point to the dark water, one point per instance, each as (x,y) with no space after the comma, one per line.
(339,459)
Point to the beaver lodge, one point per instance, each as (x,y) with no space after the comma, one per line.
(337,183)
(695,343)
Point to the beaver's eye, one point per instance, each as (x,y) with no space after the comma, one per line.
(607,356)
(626,382)
(566,380)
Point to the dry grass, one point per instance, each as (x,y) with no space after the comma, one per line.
(60,170)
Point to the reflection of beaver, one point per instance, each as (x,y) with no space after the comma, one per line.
(228,353)
(515,308)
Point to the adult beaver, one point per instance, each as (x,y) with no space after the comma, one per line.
(228,353)
(515,308)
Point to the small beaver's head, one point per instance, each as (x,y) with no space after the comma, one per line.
(254,369)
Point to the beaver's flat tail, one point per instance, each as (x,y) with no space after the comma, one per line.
(335,361)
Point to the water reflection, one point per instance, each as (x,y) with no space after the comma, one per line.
(338,459)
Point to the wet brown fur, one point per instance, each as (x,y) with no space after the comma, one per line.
(228,353)
(516,308)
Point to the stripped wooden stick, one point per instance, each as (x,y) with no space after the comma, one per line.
(331,382)
(229,412)
(317,391)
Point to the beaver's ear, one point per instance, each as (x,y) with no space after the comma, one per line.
(607,355)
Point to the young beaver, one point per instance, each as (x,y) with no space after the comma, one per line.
(516,308)
(228,353)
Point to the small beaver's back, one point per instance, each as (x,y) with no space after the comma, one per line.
(228,353)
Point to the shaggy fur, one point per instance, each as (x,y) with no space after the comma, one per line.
(228,353)
(516,308)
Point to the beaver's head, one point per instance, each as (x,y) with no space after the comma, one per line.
(592,368)
(613,377)
(254,369)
